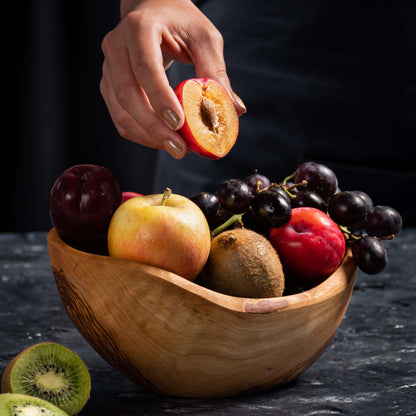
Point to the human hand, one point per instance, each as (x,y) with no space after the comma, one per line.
(150,36)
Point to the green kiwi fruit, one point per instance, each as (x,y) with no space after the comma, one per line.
(243,263)
(51,372)
(13,404)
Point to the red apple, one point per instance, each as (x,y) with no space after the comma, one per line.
(211,121)
(126,195)
(82,202)
(164,230)
(311,245)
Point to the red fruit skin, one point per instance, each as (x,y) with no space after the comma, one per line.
(185,130)
(126,195)
(311,246)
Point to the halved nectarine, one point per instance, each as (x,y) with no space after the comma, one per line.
(211,121)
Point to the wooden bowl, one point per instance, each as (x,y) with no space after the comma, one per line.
(172,336)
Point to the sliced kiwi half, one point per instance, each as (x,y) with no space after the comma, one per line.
(13,404)
(51,372)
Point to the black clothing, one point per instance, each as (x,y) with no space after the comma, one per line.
(322,81)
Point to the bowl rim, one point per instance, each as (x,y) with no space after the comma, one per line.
(342,279)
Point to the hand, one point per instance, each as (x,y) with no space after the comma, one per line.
(150,36)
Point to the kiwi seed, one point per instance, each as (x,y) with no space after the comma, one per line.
(51,372)
(243,263)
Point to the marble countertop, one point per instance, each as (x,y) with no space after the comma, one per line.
(368,369)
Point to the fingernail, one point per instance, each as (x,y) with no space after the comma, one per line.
(172,119)
(239,103)
(174,149)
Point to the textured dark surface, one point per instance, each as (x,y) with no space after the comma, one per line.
(368,369)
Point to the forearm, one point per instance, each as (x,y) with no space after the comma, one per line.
(127,6)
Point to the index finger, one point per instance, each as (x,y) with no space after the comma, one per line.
(144,48)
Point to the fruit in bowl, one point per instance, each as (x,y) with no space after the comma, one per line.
(82,202)
(126,195)
(171,334)
(311,245)
(164,230)
(243,263)
(211,122)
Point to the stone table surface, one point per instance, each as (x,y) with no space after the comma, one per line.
(368,369)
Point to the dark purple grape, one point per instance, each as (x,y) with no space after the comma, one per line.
(307,198)
(82,202)
(320,178)
(221,217)
(369,254)
(208,203)
(383,221)
(278,189)
(257,182)
(250,222)
(235,196)
(271,209)
(347,208)
(368,201)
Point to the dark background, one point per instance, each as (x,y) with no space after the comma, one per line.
(56,116)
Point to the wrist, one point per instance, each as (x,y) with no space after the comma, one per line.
(127,6)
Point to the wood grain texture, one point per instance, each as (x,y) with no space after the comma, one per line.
(172,336)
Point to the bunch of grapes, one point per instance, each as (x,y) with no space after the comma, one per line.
(261,204)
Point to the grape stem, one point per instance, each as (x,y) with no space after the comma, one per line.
(281,186)
(387,237)
(350,235)
(288,178)
(226,224)
(286,188)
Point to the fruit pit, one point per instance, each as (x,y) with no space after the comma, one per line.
(209,114)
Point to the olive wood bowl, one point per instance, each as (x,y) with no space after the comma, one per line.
(172,336)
